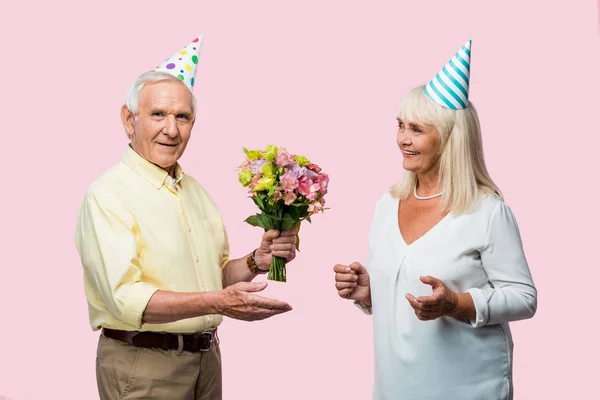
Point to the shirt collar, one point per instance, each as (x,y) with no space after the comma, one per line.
(153,173)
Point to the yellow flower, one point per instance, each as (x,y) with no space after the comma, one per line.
(267,170)
(254,155)
(271,153)
(301,160)
(264,183)
(245,177)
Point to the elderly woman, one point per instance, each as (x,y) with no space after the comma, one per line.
(446,271)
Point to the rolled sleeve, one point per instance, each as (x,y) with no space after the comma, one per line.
(481,308)
(135,303)
(509,294)
(108,247)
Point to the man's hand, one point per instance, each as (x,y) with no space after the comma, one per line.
(238,301)
(276,244)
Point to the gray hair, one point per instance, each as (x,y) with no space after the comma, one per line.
(132,99)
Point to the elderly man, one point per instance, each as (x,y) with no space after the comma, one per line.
(158,277)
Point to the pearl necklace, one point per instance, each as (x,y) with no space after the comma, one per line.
(426,197)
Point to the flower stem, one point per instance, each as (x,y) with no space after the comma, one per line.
(277,270)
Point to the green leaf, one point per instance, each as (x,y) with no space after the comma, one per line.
(263,221)
(288,223)
(252,220)
(294,213)
(259,201)
(268,222)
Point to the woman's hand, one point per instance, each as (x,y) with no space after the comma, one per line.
(442,302)
(352,282)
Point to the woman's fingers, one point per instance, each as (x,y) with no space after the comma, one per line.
(340,268)
(349,277)
(345,285)
(414,303)
(345,293)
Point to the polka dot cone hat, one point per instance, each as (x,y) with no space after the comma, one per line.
(183,63)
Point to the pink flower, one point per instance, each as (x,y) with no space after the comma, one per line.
(309,189)
(254,181)
(295,169)
(277,196)
(289,198)
(312,175)
(315,207)
(313,167)
(241,167)
(313,192)
(283,159)
(304,186)
(256,166)
(289,181)
(323,181)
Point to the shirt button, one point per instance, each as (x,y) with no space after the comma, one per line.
(197,260)
(189,228)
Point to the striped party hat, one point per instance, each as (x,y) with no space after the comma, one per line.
(183,63)
(450,87)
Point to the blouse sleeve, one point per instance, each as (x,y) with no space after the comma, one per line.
(510,294)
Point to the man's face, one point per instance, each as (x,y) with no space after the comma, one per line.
(161,130)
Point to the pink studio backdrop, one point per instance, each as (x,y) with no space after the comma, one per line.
(324,80)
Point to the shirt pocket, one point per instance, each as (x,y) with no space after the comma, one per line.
(215,234)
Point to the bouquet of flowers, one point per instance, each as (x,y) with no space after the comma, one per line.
(287,189)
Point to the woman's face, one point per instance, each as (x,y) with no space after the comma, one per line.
(420,145)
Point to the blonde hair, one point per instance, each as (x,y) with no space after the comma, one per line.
(462,171)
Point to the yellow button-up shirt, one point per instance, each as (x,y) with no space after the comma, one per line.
(138,231)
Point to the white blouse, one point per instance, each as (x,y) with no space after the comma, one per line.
(480,253)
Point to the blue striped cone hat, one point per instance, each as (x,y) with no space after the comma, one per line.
(183,64)
(450,87)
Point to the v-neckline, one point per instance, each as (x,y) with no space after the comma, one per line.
(420,238)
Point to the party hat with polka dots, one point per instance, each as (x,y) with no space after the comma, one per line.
(183,63)
(450,87)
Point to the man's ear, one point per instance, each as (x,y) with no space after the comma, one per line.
(127,118)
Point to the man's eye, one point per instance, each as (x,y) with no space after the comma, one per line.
(182,116)
(158,114)
(401,125)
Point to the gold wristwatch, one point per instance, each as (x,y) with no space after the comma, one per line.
(251,263)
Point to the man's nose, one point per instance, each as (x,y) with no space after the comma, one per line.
(171,126)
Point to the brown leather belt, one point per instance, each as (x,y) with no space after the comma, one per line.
(167,341)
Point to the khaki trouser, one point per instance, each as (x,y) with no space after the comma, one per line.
(124,371)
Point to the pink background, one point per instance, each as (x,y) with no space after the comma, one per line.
(323,79)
